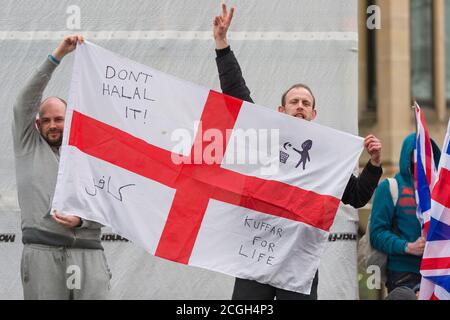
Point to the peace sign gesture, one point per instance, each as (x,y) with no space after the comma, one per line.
(221,25)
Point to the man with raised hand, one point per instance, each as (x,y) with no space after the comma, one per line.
(62,256)
(297,101)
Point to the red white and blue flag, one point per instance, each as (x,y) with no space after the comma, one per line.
(435,267)
(424,170)
(154,157)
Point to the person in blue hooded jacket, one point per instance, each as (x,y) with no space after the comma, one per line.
(394,227)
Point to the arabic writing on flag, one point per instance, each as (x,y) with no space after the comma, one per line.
(125,163)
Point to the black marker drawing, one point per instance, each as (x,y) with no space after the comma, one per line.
(101,186)
(135,114)
(304,153)
(284,155)
(120,194)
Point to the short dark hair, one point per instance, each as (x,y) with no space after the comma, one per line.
(295,86)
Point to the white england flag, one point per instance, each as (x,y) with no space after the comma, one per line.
(198,177)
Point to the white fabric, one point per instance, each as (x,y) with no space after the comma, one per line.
(228,242)
(83,186)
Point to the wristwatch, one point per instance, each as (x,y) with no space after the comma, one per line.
(406,247)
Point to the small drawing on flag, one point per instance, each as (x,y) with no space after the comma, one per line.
(283,157)
(193,214)
(304,153)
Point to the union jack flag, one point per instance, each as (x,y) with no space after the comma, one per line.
(435,267)
(424,171)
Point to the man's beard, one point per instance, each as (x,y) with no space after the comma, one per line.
(52,142)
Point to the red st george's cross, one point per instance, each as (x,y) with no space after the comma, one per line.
(196,183)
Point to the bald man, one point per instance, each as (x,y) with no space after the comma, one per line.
(62,256)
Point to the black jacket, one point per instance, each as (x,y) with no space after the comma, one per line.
(358,191)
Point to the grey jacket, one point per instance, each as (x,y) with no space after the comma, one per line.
(36,172)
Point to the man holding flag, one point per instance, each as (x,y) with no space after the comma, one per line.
(399,229)
(394,227)
(298,101)
(62,256)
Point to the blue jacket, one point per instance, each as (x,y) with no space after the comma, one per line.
(393,225)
